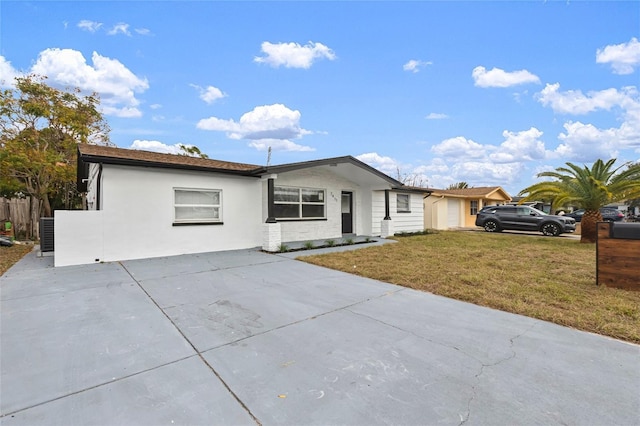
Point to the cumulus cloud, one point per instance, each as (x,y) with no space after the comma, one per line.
(497,77)
(460,147)
(278,145)
(7,73)
(293,55)
(156,146)
(436,116)
(91,26)
(575,102)
(120,28)
(263,125)
(415,65)
(115,83)
(385,164)
(520,146)
(585,142)
(624,57)
(209,94)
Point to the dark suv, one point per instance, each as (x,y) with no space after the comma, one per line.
(523,218)
(608,214)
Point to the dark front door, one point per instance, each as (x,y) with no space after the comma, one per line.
(347,212)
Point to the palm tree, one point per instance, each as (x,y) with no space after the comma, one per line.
(589,189)
(458,185)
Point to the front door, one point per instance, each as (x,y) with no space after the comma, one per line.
(347,212)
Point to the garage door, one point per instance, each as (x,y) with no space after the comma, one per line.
(453,213)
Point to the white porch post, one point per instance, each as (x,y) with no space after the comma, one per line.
(271,237)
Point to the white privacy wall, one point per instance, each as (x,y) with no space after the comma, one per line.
(321,229)
(137,215)
(402,222)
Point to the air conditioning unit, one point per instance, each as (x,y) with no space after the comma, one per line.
(46,234)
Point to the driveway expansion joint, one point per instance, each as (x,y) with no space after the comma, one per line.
(199,354)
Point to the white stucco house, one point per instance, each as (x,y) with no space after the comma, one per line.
(145,204)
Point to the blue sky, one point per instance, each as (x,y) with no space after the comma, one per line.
(490,93)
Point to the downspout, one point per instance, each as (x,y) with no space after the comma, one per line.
(98,186)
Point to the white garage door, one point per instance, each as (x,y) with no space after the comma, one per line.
(453,213)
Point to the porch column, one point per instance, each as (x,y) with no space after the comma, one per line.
(386,226)
(270,215)
(386,205)
(271,232)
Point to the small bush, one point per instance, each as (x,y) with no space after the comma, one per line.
(309,245)
(330,243)
(349,241)
(283,248)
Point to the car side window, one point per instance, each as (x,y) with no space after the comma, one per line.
(523,211)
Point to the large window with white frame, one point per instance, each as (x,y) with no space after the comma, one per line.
(403,203)
(193,206)
(298,203)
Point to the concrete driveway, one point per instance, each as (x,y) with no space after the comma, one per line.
(250,338)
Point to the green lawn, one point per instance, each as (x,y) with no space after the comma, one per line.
(553,279)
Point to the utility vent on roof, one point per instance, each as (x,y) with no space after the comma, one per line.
(46,234)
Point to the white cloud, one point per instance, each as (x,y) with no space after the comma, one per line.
(460,147)
(210,94)
(436,116)
(115,83)
(264,124)
(623,57)
(278,145)
(293,55)
(587,143)
(143,31)
(386,165)
(500,78)
(91,26)
(155,106)
(157,146)
(119,28)
(520,146)
(7,73)
(415,65)
(574,102)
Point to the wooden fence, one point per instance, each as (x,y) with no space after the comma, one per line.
(24,214)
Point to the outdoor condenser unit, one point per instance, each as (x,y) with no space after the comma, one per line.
(46,234)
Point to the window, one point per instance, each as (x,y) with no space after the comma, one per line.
(197,206)
(298,203)
(474,207)
(402,203)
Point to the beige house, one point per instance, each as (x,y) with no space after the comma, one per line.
(457,208)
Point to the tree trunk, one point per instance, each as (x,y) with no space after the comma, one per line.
(46,207)
(589,232)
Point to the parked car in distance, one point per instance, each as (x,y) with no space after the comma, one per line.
(608,214)
(523,218)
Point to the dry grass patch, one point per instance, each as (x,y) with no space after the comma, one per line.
(10,255)
(552,279)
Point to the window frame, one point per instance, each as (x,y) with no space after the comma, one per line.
(472,209)
(197,221)
(300,203)
(408,210)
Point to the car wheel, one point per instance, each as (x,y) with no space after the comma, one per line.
(491,226)
(550,229)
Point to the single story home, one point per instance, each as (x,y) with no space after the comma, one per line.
(146,204)
(457,208)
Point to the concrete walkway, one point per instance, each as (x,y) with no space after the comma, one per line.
(250,338)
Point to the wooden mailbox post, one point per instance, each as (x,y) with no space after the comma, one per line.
(618,255)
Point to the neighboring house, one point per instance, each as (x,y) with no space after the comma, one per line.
(144,204)
(457,208)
